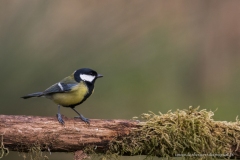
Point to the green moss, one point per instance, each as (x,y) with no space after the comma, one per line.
(3,150)
(90,150)
(34,152)
(190,132)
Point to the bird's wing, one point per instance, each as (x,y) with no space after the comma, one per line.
(59,88)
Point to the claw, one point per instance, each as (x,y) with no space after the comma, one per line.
(59,117)
(86,120)
(81,117)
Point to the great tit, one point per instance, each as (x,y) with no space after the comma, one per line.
(71,91)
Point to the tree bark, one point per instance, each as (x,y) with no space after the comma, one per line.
(22,132)
(26,133)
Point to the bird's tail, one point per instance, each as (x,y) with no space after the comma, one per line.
(37,94)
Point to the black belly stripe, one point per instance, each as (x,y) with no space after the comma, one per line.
(90,89)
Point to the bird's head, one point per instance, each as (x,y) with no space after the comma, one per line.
(86,74)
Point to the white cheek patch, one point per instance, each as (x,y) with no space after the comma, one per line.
(86,77)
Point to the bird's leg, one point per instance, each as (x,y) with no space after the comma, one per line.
(59,116)
(81,117)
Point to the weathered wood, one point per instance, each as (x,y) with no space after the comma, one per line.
(22,132)
(28,133)
(79,155)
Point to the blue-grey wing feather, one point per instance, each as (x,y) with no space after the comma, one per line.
(71,85)
(59,88)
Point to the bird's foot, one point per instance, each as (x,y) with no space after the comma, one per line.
(86,120)
(59,117)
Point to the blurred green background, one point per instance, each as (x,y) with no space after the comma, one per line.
(155,56)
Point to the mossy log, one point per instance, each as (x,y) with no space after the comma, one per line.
(180,133)
(22,132)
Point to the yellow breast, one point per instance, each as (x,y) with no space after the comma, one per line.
(75,96)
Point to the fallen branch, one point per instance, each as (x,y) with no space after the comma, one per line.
(173,134)
(21,132)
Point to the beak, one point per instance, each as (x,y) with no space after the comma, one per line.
(99,76)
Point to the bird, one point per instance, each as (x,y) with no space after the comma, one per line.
(70,91)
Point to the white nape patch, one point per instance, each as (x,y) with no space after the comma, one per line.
(59,85)
(86,77)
